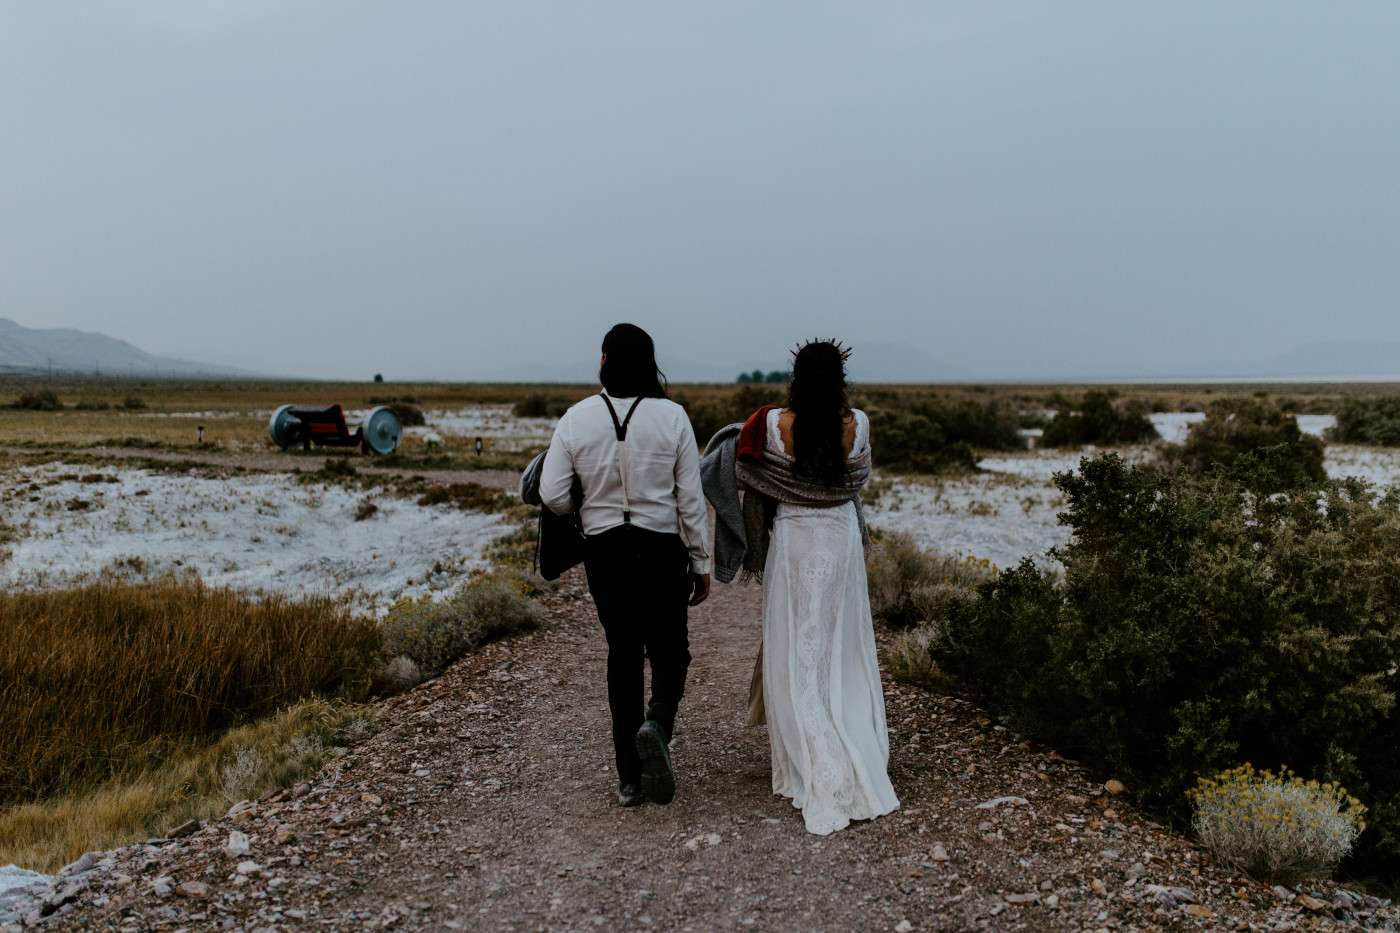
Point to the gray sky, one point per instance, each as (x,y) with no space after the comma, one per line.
(466,190)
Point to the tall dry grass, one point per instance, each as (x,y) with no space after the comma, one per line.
(190,782)
(107,679)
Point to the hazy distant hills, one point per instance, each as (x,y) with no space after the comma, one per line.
(26,349)
(35,350)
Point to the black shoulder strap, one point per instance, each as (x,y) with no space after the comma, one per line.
(620,426)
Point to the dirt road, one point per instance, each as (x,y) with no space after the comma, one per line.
(487,804)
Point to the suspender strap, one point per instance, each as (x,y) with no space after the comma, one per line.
(621,428)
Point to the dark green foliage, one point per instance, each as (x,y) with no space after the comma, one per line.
(539,405)
(1234,427)
(776,377)
(410,415)
(40,400)
(708,414)
(1096,420)
(378,377)
(1199,626)
(133,403)
(927,434)
(1369,420)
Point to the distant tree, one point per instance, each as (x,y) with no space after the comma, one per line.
(777,377)
(378,377)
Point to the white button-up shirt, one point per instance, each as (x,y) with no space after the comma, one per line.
(663,471)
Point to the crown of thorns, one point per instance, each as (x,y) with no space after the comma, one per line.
(843,350)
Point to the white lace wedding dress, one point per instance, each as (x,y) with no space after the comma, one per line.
(821,677)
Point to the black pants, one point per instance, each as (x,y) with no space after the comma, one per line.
(640,583)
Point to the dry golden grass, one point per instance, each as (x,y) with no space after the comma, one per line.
(189,783)
(107,678)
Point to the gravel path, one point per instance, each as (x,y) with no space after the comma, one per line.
(487,804)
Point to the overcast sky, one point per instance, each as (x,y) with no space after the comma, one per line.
(467,190)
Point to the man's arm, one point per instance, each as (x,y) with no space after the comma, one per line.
(557,477)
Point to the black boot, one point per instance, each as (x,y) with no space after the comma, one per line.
(629,795)
(658,783)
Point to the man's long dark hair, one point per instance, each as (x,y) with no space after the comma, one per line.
(630,369)
(817,400)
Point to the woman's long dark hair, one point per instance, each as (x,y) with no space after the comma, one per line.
(630,369)
(817,400)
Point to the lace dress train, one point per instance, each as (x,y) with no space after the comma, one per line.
(821,677)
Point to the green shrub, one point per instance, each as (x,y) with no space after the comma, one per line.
(1096,420)
(1199,625)
(929,434)
(1369,420)
(42,400)
(133,403)
(539,405)
(410,415)
(432,632)
(1236,427)
(708,413)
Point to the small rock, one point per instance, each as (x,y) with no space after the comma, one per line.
(1109,854)
(1183,895)
(184,829)
(940,854)
(903,926)
(1110,814)
(1114,787)
(162,887)
(1137,870)
(1052,901)
(1074,800)
(85,863)
(67,893)
(1047,885)
(301,790)
(284,836)
(1310,902)
(122,882)
(237,845)
(996,802)
(1031,897)
(372,799)
(1199,910)
(1283,893)
(247,867)
(192,889)
(1098,886)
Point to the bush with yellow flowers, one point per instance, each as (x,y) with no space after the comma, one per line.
(1277,827)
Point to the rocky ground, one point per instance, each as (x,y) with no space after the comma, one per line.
(486,803)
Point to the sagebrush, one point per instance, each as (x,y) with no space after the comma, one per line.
(432,631)
(1235,428)
(1199,624)
(1278,828)
(1369,420)
(909,584)
(1095,419)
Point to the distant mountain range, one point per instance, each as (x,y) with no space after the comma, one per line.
(30,350)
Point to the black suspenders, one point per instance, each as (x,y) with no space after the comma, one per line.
(621,428)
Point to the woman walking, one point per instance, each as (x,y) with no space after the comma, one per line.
(803,534)
(646,548)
